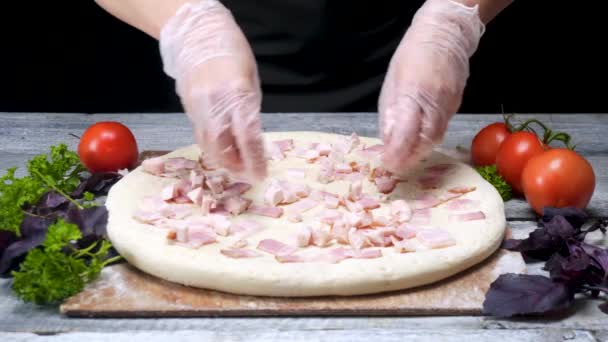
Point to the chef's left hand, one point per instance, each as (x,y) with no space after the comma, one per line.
(425,81)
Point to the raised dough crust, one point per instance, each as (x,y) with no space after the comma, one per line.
(146,248)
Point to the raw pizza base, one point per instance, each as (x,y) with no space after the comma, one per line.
(146,247)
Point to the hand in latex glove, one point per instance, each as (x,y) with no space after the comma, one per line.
(204,50)
(425,81)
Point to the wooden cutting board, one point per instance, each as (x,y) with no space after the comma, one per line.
(124,291)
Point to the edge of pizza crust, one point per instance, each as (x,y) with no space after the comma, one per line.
(146,247)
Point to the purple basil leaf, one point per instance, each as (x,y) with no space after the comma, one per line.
(33,233)
(97,183)
(604,308)
(576,217)
(572,269)
(599,255)
(91,221)
(6,239)
(523,294)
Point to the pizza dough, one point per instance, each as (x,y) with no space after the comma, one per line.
(146,247)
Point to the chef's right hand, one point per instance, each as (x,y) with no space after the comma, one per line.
(217,80)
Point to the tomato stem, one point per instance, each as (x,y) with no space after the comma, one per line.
(548,134)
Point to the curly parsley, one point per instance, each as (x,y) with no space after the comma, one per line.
(490,174)
(60,173)
(57,270)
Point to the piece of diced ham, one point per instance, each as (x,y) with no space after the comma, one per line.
(155,165)
(310,155)
(215,184)
(357,239)
(208,203)
(406,231)
(321,237)
(426,200)
(199,235)
(221,224)
(148,217)
(324,149)
(339,231)
(372,151)
(284,145)
(401,211)
(296,173)
(238,253)
(343,168)
(274,152)
(275,247)
(353,207)
(468,216)
(374,236)
(355,189)
(368,203)
(302,206)
(462,204)
(435,238)
(365,253)
(268,211)
(326,171)
(329,216)
(273,194)
(196,196)
(462,189)
(385,184)
(169,192)
(403,246)
(331,202)
(179,163)
(421,217)
(236,205)
(303,236)
(240,244)
(379,172)
(197,179)
(237,188)
(380,221)
(299,190)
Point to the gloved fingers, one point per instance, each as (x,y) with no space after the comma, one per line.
(247,129)
(401,126)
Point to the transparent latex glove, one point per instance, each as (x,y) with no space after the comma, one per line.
(217,80)
(425,81)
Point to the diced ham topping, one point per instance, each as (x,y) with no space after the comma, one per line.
(324,149)
(469,216)
(426,200)
(406,231)
(196,196)
(357,239)
(401,211)
(332,202)
(237,253)
(275,247)
(303,236)
(239,244)
(343,168)
(200,235)
(329,216)
(355,189)
(215,184)
(236,205)
(284,145)
(221,224)
(178,164)
(435,238)
(365,253)
(368,203)
(462,204)
(403,246)
(274,152)
(155,166)
(268,211)
(274,194)
(421,216)
(302,205)
(462,189)
(385,184)
(339,231)
(235,189)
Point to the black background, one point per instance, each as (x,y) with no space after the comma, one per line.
(536,56)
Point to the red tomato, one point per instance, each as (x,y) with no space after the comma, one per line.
(486,143)
(108,146)
(558,178)
(513,155)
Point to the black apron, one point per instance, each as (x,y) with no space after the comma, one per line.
(322,55)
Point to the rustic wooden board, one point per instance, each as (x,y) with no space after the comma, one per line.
(123,291)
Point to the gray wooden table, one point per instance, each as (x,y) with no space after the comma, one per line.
(23,135)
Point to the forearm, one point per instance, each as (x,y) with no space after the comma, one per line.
(488,9)
(148,16)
